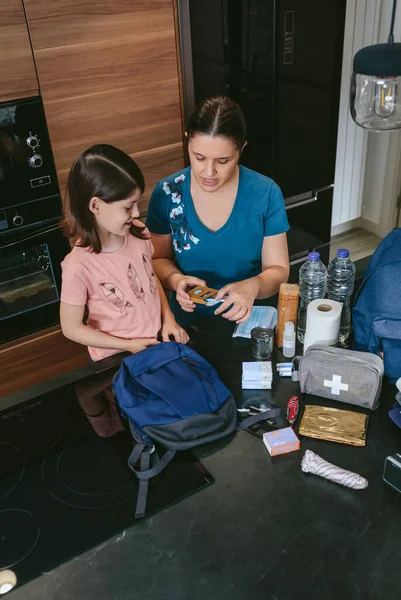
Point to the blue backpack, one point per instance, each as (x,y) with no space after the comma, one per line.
(377,309)
(173,398)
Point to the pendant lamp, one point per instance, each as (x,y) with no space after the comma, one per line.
(376,84)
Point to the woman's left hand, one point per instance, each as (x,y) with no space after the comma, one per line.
(171,327)
(240,297)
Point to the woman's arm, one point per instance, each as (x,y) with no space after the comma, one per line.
(168,274)
(242,294)
(163,260)
(275,265)
(71,320)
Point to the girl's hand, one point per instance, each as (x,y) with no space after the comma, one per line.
(139,344)
(184,283)
(240,296)
(171,327)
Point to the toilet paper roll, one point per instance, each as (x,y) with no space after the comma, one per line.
(323,320)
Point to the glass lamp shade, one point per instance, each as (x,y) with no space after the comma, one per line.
(376,87)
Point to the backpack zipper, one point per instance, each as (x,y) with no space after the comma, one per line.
(191,364)
(381,348)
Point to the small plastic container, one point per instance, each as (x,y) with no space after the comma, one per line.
(289,339)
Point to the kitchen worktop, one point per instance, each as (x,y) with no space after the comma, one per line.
(263,529)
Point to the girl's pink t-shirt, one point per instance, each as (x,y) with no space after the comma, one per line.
(119,288)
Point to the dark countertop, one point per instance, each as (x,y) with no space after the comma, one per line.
(263,529)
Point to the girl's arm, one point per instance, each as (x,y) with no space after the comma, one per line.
(169,324)
(168,274)
(71,320)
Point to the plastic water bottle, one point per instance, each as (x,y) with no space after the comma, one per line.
(312,285)
(340,285)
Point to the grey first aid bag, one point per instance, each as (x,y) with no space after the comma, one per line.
(343,375)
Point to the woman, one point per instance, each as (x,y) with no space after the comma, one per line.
(218,223)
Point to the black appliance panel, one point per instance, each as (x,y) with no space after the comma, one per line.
(281,60)
(310,222)
(208,48)
(308,75)
(30,282)
(256,95)
(232,45)
(31,214)
(27,171)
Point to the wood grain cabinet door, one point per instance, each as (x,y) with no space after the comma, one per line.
(17,69)
(108,74)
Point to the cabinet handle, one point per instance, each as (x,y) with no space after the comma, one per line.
(298,260)
(302,202)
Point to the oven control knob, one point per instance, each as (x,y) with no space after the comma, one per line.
(35,161)
(32,141)
(18,220)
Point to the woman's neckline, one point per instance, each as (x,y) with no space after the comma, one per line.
(233,210)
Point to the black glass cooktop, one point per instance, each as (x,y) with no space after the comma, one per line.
(64,490)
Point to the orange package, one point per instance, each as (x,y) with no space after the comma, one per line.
(287,309)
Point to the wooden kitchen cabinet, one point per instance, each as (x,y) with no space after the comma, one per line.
(108,73)
(37,358)
(17,69)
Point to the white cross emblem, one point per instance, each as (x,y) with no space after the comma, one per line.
(336,385)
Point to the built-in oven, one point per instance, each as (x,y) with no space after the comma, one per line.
(29,192)
(30,279)
(31,242)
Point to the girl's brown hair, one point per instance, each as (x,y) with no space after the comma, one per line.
(108,173)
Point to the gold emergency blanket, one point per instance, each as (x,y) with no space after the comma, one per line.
(335,425)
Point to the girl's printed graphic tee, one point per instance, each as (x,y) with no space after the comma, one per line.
(119,288)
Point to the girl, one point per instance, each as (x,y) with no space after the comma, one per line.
(218,222)
(109,270)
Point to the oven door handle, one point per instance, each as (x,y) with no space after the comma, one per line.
(298,260)
(302,202)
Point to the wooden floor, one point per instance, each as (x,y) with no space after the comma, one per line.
(359,242)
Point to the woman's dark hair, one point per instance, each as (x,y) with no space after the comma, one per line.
(219,115)
(108,173)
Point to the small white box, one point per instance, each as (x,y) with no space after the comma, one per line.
(257,385)
(257,371)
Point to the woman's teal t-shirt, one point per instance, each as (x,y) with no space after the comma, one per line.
(233,252)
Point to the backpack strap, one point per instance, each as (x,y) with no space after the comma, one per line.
(148,455)
(272,412)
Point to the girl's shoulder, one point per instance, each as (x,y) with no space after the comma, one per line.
(134,241)
(77,257)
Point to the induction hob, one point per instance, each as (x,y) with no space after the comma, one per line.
(64,490)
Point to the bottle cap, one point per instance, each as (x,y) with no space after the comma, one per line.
(343,253)
(314,256)
(288,327)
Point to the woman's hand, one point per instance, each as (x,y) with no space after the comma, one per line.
(139,344)
(240,297)
(181,285)
(171,327)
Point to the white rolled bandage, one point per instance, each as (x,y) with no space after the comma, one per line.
(313,463)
